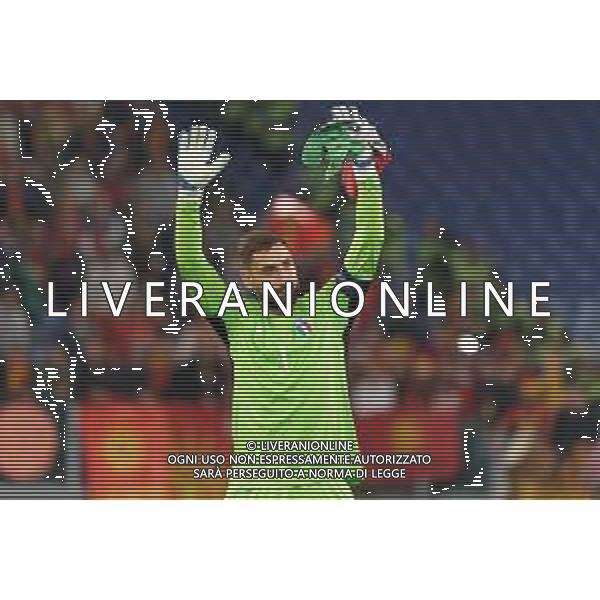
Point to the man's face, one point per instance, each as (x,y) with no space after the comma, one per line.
(275,265)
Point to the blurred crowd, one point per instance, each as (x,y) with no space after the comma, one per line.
(506,407)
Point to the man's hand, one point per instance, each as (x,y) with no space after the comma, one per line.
(195,149)
(347,137)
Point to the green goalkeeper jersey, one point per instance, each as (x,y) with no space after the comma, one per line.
(290,379)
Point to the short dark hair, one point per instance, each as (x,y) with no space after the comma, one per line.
(258,241)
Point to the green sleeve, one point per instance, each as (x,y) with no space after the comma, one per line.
(191,261)
(362,258)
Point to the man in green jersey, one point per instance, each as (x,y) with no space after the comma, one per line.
(290,378)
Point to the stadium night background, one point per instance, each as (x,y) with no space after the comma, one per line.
(507,407)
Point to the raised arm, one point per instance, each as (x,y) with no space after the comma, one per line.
(197,169)
(362,259)
(350,142)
